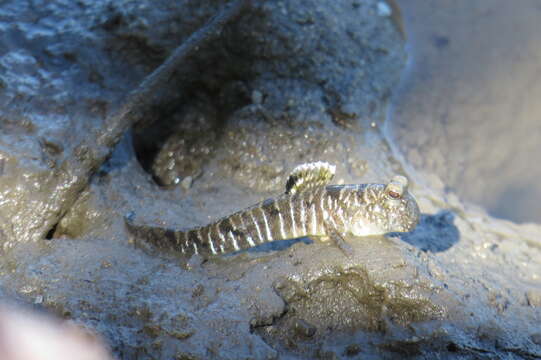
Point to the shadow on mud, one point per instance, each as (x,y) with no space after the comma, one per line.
(435,233)
(276,245)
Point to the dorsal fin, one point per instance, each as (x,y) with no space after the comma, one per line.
(308,176)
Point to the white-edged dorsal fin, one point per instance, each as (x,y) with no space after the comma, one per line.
(308,176)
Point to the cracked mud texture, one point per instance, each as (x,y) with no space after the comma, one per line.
(288,83)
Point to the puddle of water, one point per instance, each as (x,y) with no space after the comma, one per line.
(468,107)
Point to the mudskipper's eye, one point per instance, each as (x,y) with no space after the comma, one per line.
(393,194)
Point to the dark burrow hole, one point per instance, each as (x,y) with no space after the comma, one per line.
(452,347)
(50,234)
(178,136)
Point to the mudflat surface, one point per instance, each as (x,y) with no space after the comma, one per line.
(286,84)
(467,107)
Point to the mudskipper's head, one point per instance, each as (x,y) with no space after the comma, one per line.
(385,208)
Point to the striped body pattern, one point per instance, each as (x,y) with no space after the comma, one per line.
(324,212)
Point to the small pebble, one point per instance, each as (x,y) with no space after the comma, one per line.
(536,338)
(26,289)
(198,291)
(304,329)
(186,183)
(384,9)
(352,350)
(195,262)
(257,97)
(534,298)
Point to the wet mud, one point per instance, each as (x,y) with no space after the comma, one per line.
(467,109)
(285,84)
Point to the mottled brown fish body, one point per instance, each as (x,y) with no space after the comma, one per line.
(286,217)
(331,211)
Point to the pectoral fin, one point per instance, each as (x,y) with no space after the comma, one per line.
(339,240)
